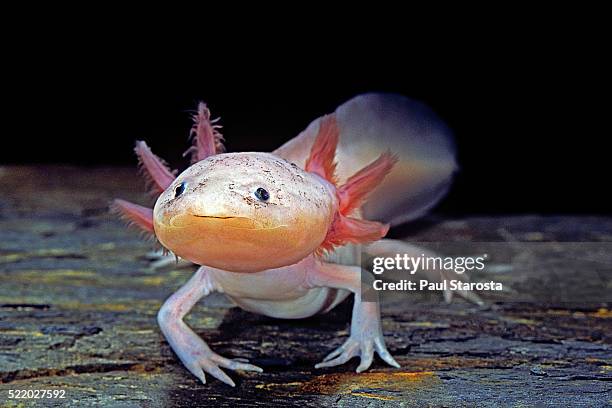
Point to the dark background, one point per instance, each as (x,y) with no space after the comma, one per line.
(528,116)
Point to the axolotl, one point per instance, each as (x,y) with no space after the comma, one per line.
(281,233)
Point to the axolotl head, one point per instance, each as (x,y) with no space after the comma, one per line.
(245,212)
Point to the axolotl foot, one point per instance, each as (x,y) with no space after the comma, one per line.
(158,260)
(366,336)
(195,354)
(199,358)
(363,347)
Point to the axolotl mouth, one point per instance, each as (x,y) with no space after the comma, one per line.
(193,220)
(232,243)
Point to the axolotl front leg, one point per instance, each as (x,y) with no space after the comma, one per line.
(366,331)
(188,346)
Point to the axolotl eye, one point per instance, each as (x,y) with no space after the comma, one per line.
(262,194)
(180,189)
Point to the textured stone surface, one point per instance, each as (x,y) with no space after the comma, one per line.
(78,304)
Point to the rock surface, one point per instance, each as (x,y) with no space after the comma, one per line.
(78,303)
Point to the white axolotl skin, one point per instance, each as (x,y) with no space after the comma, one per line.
(279,232)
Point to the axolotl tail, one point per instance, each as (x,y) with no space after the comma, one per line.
(371,124)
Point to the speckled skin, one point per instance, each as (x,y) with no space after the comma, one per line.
(219,222)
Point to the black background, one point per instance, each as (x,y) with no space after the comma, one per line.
(528,115)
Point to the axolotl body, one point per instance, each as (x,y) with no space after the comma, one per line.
(281,233)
